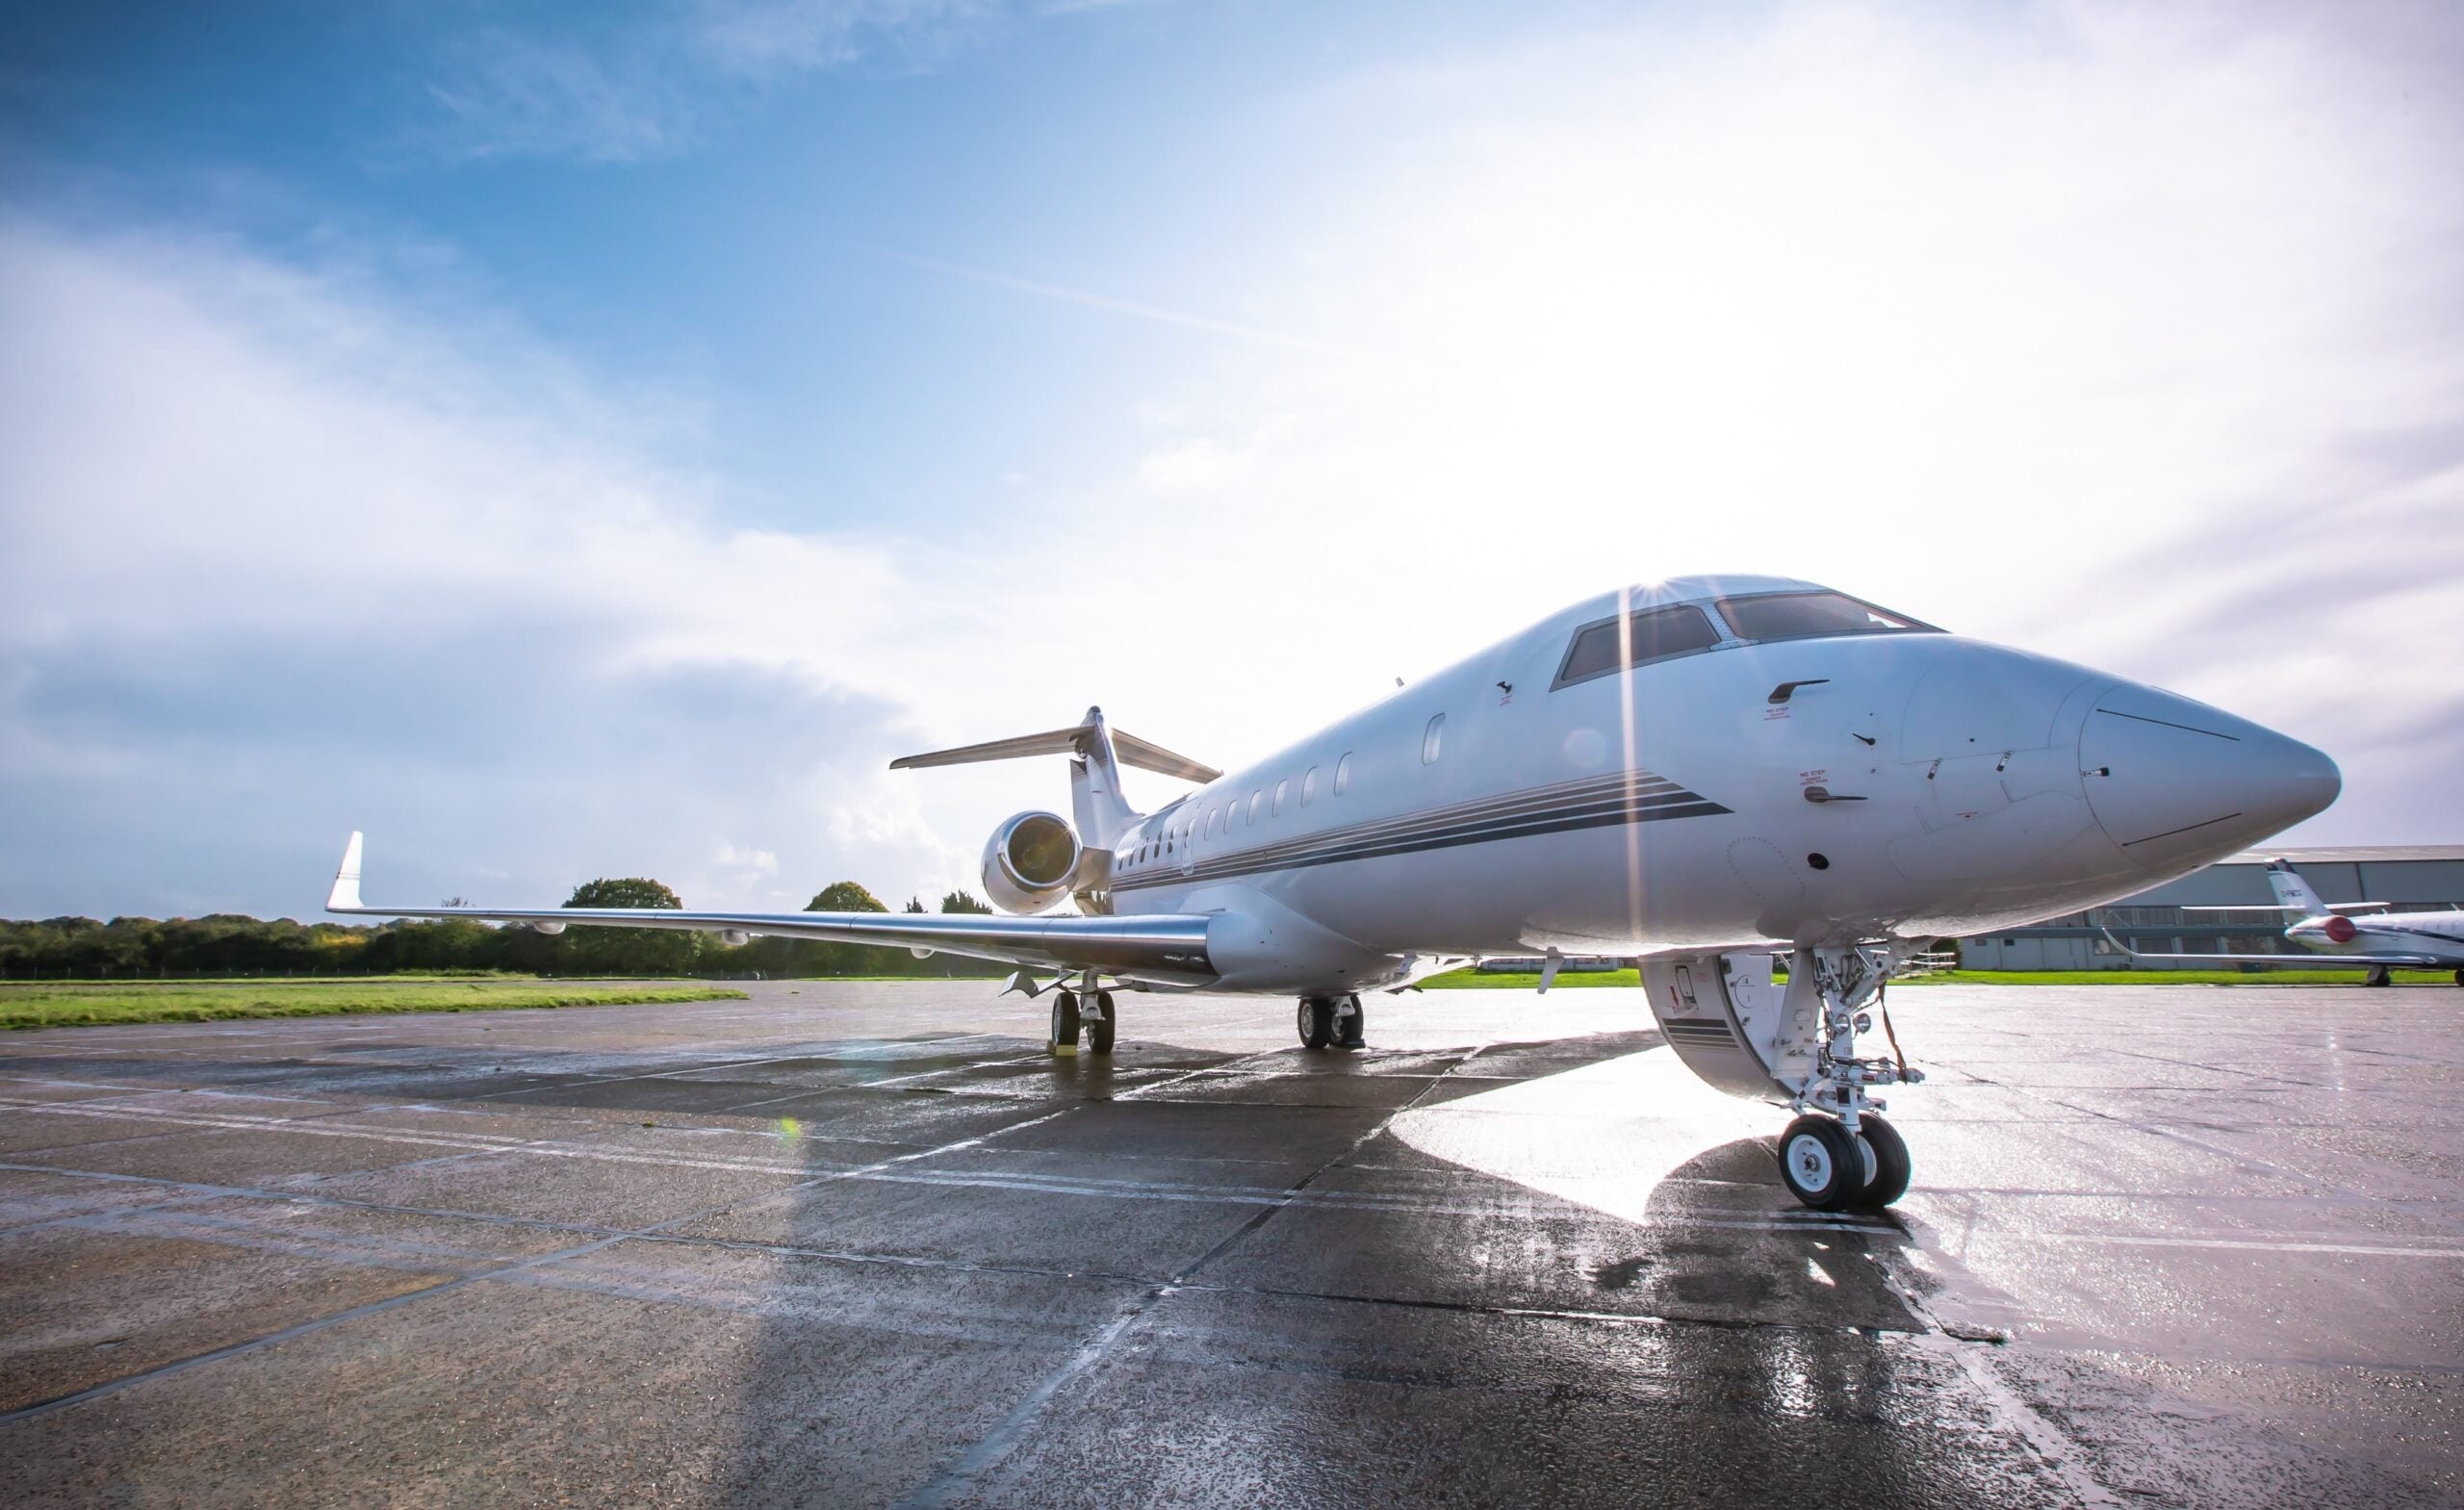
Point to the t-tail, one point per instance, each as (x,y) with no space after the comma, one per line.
(1097,755)
(2293,893)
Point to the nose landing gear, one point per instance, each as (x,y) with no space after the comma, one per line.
(1839,1154)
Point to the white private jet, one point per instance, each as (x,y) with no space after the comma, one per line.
(1703,771)
(2386,942)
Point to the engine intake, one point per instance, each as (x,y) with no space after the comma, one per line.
(1030,862)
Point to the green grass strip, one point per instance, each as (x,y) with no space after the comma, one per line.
(63,1005)
(1508,981)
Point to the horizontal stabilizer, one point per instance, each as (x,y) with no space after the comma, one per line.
(1059,741)
(1136,752)
(1076,740)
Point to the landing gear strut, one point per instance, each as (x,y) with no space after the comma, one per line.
(1332,1022)
(1838,1155)
(2380,975)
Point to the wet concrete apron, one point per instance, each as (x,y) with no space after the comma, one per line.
(864,1244)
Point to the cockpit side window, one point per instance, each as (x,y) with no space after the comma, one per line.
(1650,635)
(1802,616)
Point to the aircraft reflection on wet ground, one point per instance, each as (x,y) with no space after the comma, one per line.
(867,1244)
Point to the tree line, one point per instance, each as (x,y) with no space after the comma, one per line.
(229,944)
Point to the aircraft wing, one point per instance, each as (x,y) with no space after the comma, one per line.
(2282,907)
(2299,961)
(1163,948)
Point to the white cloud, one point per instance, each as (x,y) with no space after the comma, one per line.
(279,561)
(1197,465)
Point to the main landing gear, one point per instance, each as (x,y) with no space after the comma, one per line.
(1332,1022)
(1839,1154)
(1089,1011)
(2380,975)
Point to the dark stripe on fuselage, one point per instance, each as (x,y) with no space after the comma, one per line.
(1595,803)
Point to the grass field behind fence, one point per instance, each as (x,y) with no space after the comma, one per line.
(58,1004)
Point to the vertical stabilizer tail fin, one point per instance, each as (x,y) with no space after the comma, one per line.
(2292,892)
(1095,801)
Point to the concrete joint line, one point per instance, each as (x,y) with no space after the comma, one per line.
(971,1468)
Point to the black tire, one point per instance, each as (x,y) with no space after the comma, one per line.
(1063,1042)
(1099,1032)
(2459,977)
(1820,1163)
(1317,1022)
(2380,975)
(1887,1163)
(1355,1025)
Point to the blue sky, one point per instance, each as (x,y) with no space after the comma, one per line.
(567,440)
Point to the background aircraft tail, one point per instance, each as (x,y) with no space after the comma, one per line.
(2292,892)
(1102,814)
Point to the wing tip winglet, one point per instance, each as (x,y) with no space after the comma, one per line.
(344,897)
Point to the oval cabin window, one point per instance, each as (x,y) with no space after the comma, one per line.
(1429,739)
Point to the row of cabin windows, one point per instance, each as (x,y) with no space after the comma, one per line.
(1220,819)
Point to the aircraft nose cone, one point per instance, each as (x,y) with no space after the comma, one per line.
(2176,783)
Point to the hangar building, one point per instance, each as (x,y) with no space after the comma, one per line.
(2403,875)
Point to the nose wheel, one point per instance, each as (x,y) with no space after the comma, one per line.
(1828,1167)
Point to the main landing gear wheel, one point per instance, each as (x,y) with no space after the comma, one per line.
(1317,1021)
(1353,1023)
(1063,1042)
(1887,1166)
(2380,975)
(1099,1028)
(1820,1163)
(2459,977)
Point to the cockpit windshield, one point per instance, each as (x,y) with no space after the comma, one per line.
(1804,616)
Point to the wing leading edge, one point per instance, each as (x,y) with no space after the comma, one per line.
(1164,948)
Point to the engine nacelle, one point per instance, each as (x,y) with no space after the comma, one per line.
(1030,862)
